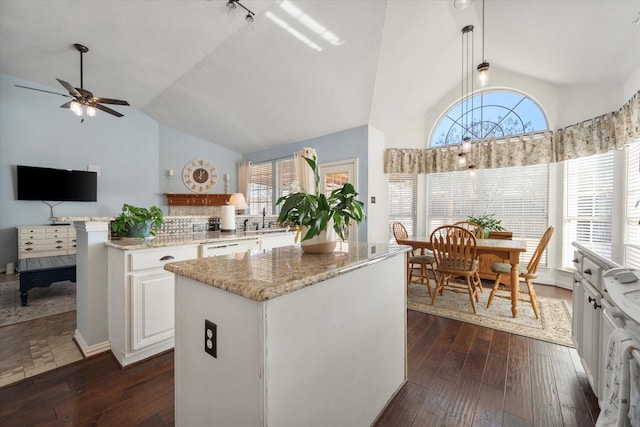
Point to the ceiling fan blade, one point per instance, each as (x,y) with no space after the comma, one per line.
(66,104)
(72,90)
(109,101)
(42,90)
(108,110)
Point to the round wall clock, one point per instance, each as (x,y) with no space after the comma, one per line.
(199,176)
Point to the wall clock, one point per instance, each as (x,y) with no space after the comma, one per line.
(199,176)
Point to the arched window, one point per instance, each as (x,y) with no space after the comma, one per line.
(491,114)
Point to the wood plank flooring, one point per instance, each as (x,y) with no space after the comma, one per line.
(459,375)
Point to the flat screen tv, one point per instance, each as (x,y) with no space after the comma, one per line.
(65,185)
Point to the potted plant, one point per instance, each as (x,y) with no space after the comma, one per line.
(137,222)
(488,222)
(316,215)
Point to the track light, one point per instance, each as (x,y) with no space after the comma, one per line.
(231,5)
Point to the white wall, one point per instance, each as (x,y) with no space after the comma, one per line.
(631,85)
(377,213)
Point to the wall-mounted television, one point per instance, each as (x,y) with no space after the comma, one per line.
(65,185)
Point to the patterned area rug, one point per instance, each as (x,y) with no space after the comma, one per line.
(553,326)
(58,298)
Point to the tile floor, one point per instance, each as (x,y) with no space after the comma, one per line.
(30,348)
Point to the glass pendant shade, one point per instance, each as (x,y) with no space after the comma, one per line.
(472,171)
(462,159)
(91,111)
(483,73)
(76,108)
(466,144)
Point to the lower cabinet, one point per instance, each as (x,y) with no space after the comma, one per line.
(141,301)
(276,240)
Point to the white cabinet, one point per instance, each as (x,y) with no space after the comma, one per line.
(46,240)
(141,300)
(589,301)
(228,247)
(277,240)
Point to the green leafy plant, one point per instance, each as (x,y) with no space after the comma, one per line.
(488,222)
(135,221)
(315,211)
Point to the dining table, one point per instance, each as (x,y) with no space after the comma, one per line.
(509,250)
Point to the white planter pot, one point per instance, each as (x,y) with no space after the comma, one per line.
(323,243)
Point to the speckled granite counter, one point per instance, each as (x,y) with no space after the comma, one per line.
(186,239)
(264,276)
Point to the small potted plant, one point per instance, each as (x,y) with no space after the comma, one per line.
(316,215)
(488,222)
(137,222)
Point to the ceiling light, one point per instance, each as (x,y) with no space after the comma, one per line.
(462,159)
(231,5)
(466,96)
(91,111)
(472,171)
(483,67)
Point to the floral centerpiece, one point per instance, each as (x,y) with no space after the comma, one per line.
(317,216)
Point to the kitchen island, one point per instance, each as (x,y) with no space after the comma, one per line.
(284,338)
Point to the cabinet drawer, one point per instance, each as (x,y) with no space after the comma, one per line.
(592,273)
(153,258)
(55,233)
(31,234)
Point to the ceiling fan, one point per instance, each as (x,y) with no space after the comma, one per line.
(83,100)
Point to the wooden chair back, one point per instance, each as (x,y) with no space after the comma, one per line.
(532,267)
(454,248)
(399,231)
(471,226)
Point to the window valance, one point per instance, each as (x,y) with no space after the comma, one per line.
(598,135)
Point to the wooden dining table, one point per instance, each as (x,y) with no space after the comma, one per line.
(504,249)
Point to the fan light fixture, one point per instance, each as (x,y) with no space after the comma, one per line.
(231,6)
(483,67)
(462,4)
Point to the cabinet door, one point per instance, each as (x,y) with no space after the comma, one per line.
(152,308)
(591,317)
(277,240)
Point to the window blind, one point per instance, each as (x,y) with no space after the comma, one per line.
(261,188)
(286,173)
(402,202)
(588,205)
(632,232)
(518,196)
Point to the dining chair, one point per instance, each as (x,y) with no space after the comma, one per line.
(527,273)
(454,249)
(471,226)
(422,260)
(479,233)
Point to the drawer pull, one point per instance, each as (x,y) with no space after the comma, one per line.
(588,271)
(28,243)
(58,247)
(596,306)
(166,258)
(29,249)
(59,241)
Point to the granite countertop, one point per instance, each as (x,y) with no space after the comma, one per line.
(130,243)
(261,276)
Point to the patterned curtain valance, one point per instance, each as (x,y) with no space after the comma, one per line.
(599,135)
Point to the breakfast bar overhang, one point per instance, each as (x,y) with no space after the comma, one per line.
(300,339)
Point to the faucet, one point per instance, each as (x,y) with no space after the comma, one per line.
(244,224)
(264,213)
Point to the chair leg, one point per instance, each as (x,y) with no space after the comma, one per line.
(439,286)
(493,291)
(533,297)
(473,293)
(425,277)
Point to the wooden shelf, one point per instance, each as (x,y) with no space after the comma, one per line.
(192,199)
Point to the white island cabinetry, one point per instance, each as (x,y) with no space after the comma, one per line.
(141,300)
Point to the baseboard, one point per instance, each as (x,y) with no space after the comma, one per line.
(88,351)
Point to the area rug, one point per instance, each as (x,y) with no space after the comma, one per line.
(553,326)
(58,298)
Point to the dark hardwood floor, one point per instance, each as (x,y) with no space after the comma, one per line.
(459,375)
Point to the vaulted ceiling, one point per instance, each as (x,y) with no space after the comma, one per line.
(249,86)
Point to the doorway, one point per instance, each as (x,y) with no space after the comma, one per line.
(333,175)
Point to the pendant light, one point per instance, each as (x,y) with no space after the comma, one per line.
(483,67)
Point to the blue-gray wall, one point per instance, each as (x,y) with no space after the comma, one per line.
(134,152)
(347,144)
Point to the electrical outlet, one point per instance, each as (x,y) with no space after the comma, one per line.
(211,338)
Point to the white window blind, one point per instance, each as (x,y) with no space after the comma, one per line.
(632,232)
(402,202)
(286,175)
(518,196)
(588,205)
(261,188)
